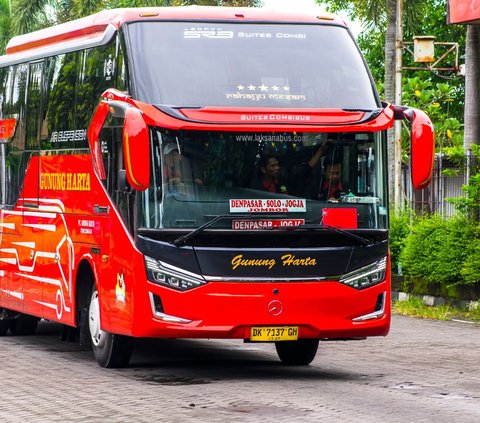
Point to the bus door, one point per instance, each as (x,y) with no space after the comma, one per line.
(32,259)
(32,120)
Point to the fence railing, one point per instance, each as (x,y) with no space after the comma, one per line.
(433,199)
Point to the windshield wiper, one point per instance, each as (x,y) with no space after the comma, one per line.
(184,238)
(314,226)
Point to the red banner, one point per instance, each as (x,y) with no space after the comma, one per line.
(463,11)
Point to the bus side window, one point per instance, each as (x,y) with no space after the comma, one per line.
(12,167)
(96,73)
(112,155)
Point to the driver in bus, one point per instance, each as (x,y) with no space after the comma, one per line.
(325,184)
(331,187)
(269,178)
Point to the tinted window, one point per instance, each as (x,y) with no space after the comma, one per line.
(249,65)
(96,73)
(33,105)
(12,160)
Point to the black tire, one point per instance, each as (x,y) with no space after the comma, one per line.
(110,350)
(4,326)
(297,353)
(23,325)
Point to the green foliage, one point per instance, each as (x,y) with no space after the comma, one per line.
(373,13)
(415,307)
(31,15)
(469,204)
(442,94)
(399,232)
(470,270)
(438,249)
(435,98)
(6,24)
(372,44)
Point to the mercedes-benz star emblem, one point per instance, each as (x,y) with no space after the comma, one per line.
(275,307)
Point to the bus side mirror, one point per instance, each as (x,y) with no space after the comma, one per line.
(136,147)
(422,145)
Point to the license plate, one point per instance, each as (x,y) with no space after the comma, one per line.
(274,333)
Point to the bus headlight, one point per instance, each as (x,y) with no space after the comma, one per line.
(366,276)
(171,276)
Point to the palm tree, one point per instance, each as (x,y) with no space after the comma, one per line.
(6,24)
(383,17)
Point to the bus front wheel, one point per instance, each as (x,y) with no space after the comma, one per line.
(297,353)
(110,350)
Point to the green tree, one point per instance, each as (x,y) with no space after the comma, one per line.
(381,17)
(441,95)
(472,89)
(6,24)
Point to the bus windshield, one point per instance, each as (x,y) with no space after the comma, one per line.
(277,179)
(187,64)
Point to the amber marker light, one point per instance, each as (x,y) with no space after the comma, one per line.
(326,17)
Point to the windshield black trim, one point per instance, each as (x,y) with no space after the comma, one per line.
(268,239)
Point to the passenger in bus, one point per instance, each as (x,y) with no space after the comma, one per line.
(269,176)
(172,165)
(178,173)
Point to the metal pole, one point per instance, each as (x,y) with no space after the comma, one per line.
(398,101)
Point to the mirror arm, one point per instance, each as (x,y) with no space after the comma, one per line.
(403,113)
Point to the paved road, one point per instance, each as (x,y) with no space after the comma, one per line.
(424,371)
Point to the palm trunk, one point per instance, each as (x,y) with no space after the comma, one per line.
(472,87)
(389,85)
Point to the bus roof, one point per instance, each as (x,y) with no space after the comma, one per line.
(94,26)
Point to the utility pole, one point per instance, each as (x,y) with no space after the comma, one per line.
(398,101)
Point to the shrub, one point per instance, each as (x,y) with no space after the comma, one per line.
(399,231)
(471,267)
(437,249)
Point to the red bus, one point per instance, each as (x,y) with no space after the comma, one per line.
(165,173)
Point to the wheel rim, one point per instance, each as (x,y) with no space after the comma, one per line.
(97,334)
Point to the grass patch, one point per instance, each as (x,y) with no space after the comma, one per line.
(415,307)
